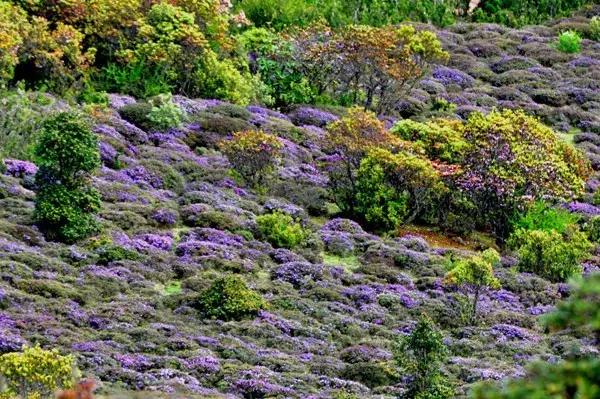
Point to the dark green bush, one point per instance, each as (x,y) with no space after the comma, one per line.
(112,253)
(228,298)
(67,153)
(137,113)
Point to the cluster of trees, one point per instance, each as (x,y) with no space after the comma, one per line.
(281,14)
(479,174)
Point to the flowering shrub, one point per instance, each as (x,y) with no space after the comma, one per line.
(67,152)
(164,114)
(281,230)
(252,154)
(36,371)
(228,298)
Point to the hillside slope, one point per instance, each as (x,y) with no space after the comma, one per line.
(335,306)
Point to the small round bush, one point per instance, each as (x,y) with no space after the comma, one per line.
(164,114)
(569,42)
(281,230)
(229,298)
(595,28)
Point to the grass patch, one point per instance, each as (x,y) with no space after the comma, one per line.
(172,288)
(349,263)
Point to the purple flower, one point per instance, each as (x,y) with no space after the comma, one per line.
(165,217)
(582,207)
(18,168)
(298,273)
(203,364)
(448,76)
(312,116)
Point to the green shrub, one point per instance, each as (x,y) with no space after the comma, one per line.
(541,216)
(393,188)
(595,28)
(550,254)
(137,78)
(137,113)
(281,230)
(67,153)
(420,354)
(228,298)
(592,228)
(22,114)
(569,42)
(112,253)
(253,154)
(164,114)
(36,372)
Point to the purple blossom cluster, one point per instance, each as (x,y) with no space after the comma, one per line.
(18,168)
(298,274)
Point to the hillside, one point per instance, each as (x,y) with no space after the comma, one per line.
(175,218)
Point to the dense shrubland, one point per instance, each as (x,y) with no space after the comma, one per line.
(392,226)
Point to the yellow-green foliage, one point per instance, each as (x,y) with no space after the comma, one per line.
(281,230)
(439,139)
(476,272)
(229,298)
(550,254)
(392,188)
(253,154)
(13,28)
(36,372)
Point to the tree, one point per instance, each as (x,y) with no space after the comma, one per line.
(348,140)
(421,354)
(513,158)
(253,154)
(395,188)
(67,154)
(476,273)
(373,67)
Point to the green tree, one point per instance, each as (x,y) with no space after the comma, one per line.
(477,273)
(421,355)
(67,153)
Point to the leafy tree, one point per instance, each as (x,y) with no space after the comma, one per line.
(373,67)
(477,273)
(253,154)
(349,140)
(421,355)
(395,188)
(67,153)
(229,298)
(36,371)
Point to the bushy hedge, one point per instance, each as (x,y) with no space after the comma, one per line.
(67,153)
(281,230)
